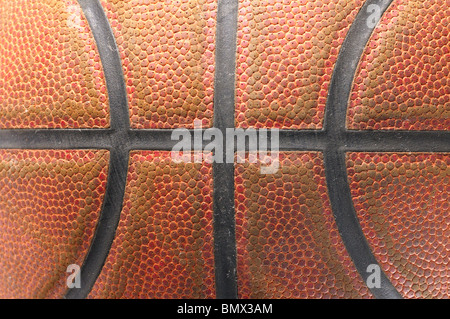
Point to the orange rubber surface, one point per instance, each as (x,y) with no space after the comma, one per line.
(167,49)
(286,55)
(164,243)
(402,80)
(49,206)
(402,202)
(50,71)
(287,242)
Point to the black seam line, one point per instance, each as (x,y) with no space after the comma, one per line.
(120,140)
(380,141)
(402,141)
(115,138)
(225,260)
(335,157)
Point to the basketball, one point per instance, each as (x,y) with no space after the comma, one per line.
(203,149)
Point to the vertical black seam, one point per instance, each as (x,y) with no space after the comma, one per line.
(119,139)
(225,258)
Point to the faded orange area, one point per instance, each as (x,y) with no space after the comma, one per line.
(164,242)
(402,202)
(286,55)
(50,71)
(403,77)
(288,244)
(50,202)
(167,50)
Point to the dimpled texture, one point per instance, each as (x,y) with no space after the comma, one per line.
(49,206)
(403,78)
(402,202)
(50,71)
(164,243)
(288,244)
(286,54)
(167,51)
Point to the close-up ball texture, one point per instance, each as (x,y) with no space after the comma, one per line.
(50,205)
(91,93)
(402,203)
(402,79)
(163,246)
(285,58)
(49,58)
(167,52)
(288,243)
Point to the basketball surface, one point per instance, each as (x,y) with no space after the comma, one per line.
(91,93)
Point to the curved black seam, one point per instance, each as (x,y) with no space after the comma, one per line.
(119,154)
(335,156)
(119,135)
(335,140)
